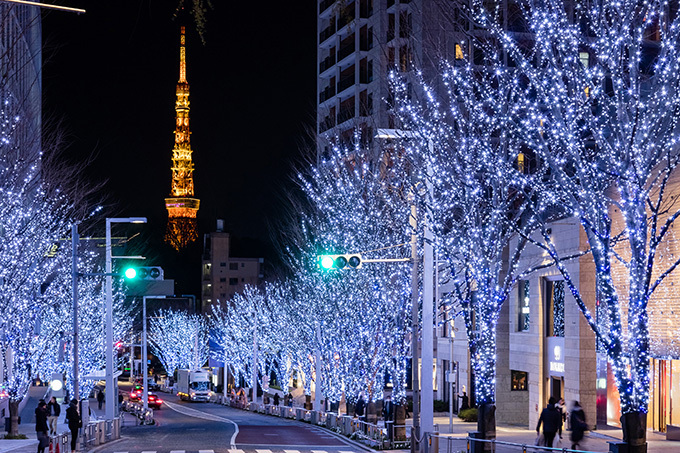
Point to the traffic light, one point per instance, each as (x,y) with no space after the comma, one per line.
(144,273)
(349,261)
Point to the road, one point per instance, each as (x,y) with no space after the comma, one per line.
(207,427)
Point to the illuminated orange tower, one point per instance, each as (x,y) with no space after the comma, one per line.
(181,205)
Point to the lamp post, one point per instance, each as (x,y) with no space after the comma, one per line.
(111,397)
(423,392)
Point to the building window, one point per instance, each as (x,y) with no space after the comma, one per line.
(459,52)
(554,299)
(519,381)
(233,266)
(523,314)
(223,279)
(233,281)
(223,264)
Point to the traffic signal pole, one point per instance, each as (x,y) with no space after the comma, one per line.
(75,239)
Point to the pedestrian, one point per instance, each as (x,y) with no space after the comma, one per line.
(562,408)
(290,399)
(100,398)
(464,402)
(577,420)
(552,422)
(360,407)
(74,422)
(41,426)
(388,416)
(53,411)
(276,399)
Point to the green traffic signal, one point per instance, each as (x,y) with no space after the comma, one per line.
(326,262)
(130,273)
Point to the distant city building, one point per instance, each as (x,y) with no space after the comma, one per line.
(224,275)
(181,205)
(359,43)
(21,77)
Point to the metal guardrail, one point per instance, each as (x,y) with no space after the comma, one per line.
(95,433)
(435,443)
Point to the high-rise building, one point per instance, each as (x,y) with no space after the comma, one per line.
(181,205)
(21,78)
(359,43)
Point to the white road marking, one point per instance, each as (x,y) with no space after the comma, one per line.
(231,450)
(319,451)
(263,451)
(199,414)
(206,451)
(178,451)
(149,451)
(291,451)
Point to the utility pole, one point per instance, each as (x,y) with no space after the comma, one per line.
(75,239)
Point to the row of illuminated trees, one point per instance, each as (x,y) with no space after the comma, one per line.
(578,118)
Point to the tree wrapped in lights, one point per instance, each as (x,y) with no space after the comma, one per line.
(178,339)
(478,195)
(56,324)
(32,220)
(248,332)
(357,323)
(598,101)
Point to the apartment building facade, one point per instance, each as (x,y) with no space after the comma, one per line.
(359,43)
(224,275)
(21,80)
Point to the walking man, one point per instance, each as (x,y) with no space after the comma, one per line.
(100,398)
(53,411)
(388,416)
(41,426)
(74,422)
(551,419)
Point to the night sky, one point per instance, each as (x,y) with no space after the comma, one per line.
(109,84)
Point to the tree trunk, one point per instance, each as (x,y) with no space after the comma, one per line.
(371,413)
(400,421)
(486,421)
(13,418)
(634,425)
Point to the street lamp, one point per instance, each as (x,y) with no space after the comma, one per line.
(112,397)
(423,416)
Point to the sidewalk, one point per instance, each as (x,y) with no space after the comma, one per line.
(596,441)
(27,426)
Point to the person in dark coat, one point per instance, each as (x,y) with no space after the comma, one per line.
(53,411)
(41,426)
(74,422)
(100,398)
(388,416)
(551,419)
(276,399)
(577,420)
(464,402)
(360,407)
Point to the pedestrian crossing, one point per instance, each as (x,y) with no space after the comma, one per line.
(238,450)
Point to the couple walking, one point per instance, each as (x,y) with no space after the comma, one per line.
(551,419)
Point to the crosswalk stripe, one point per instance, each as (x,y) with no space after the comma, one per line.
(179,451)
(149,451)
(205,451)
(233,450)
(263,451)
(319,451)
(291,451)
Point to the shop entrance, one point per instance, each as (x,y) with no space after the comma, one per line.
(556,387)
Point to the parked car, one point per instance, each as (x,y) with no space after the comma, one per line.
(136,393)
(155,401)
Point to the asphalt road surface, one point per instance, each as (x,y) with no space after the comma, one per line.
(183,427)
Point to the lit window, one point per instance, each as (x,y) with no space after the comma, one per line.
(519,381)
(459,52)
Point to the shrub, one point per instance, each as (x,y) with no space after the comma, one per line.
(441,406)
(468,415)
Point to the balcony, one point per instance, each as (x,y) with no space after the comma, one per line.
(324,5)
(366,43)
(326,94)
(345,83)
(345,115)
(326,124)
(391,3)
(327,32)
(345,51)
(365,10)
(328,62)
